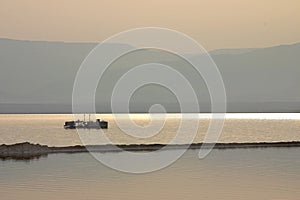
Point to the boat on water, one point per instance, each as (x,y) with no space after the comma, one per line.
(83,124)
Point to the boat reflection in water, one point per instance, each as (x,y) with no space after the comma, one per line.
(98,124)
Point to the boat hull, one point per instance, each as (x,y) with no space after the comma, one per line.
(86,125)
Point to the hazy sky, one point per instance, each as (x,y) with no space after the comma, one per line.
(213,23)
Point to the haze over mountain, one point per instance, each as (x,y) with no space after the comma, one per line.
(38,77)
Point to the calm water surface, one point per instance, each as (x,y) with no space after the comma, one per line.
(272,173)
(48,129)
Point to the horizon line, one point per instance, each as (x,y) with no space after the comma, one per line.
(95,43)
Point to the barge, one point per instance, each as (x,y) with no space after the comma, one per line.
(82,124)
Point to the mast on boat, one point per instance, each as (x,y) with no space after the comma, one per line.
(98,124)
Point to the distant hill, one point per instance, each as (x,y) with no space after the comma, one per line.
(231,51)
(37,77)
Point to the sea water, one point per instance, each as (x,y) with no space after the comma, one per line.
(47,129)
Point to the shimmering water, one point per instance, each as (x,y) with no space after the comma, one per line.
(272,173)
(48,129)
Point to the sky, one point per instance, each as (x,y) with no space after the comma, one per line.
(215,24)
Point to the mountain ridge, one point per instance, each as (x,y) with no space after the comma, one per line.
(43,73)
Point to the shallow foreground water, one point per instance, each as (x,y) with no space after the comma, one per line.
(272,173)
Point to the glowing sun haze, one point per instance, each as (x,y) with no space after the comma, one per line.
(213,23)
